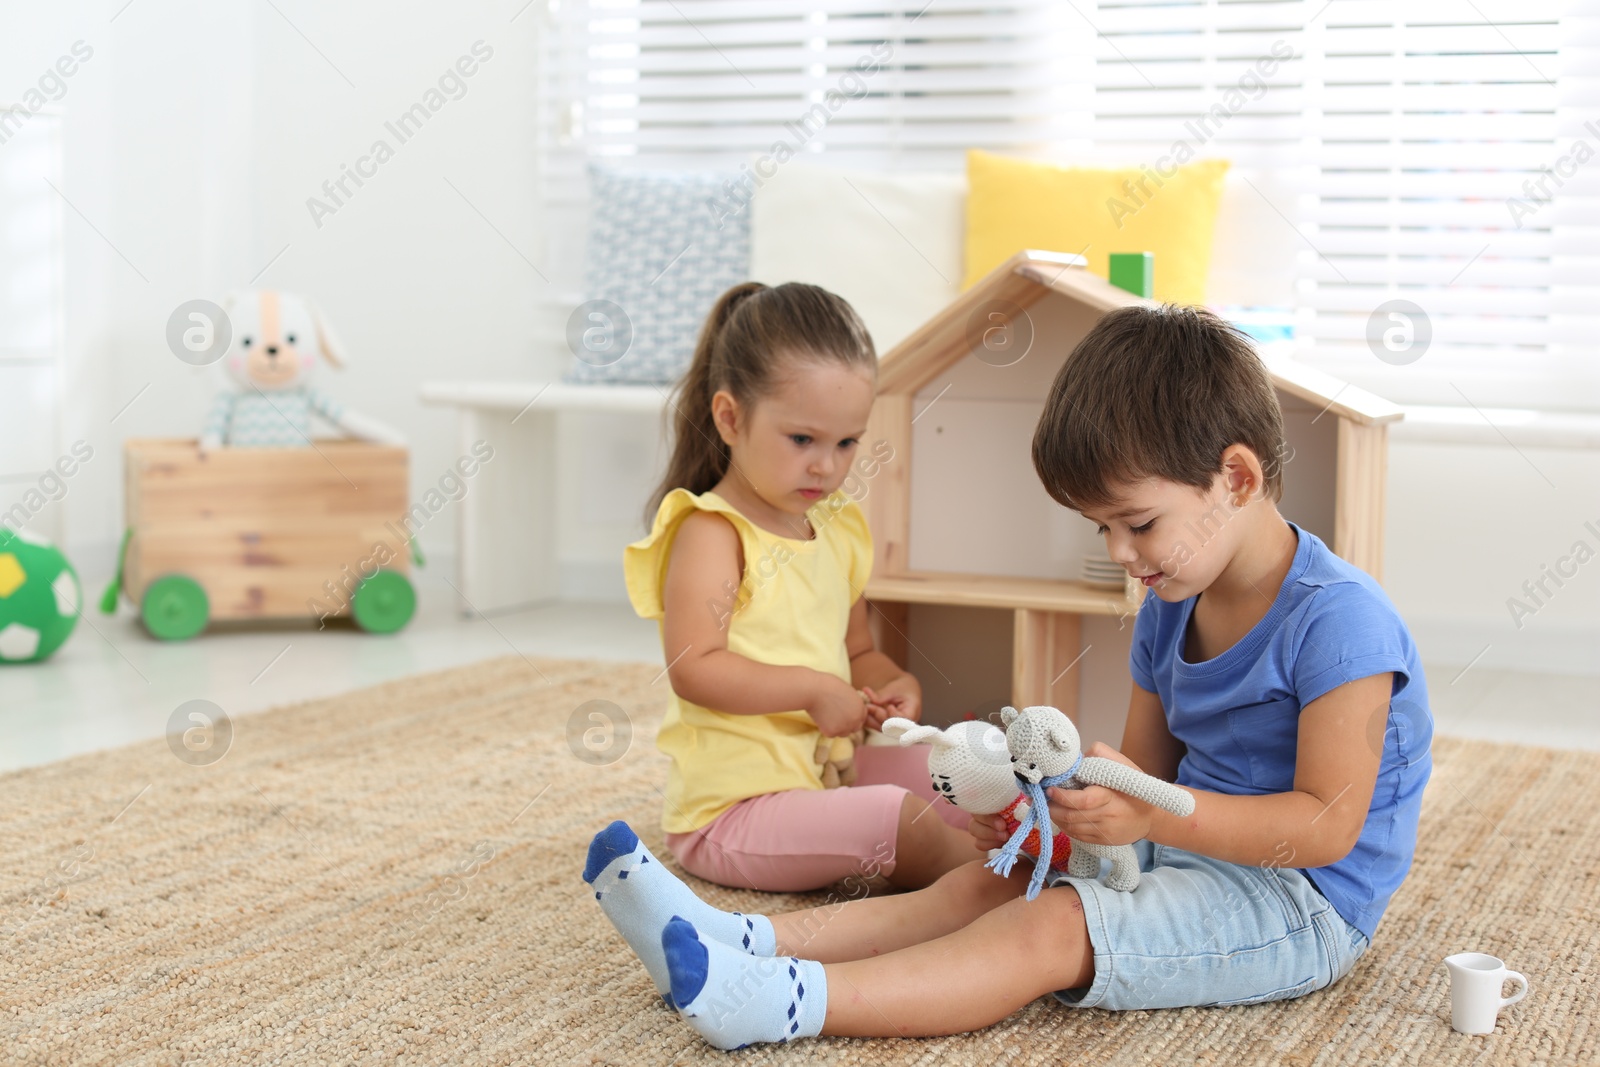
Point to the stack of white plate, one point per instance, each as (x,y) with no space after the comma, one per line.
(1101,572)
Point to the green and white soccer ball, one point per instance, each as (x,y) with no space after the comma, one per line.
(39,597)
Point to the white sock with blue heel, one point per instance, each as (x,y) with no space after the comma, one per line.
(639,896)
(735,999)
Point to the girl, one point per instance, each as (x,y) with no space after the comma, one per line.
(755,566)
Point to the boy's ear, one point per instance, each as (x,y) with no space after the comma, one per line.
(1241,471)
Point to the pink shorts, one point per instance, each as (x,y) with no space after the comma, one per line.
(804,839)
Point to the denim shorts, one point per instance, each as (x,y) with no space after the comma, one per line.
(1202,932)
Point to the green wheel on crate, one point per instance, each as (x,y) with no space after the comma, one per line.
(384,602)
(174,607)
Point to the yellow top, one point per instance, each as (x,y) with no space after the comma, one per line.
(793,607)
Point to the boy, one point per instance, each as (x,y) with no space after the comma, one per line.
(1268,677)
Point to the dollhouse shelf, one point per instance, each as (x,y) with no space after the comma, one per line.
(984,591)
(1046,623)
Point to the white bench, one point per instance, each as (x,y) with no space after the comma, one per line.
(507,544)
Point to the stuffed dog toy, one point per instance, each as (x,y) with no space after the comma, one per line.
(277,341)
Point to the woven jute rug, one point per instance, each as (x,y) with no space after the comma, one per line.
(394,876)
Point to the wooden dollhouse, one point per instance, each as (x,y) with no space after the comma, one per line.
(974,559)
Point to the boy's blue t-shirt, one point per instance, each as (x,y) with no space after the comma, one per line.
(1239,713)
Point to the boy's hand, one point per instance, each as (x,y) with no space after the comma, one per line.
(988,831)
(1099,815)
(901,697)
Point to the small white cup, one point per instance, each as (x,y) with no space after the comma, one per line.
(1476,981)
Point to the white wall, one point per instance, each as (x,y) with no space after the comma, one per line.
(196,132)
(1467,525)
(192,139)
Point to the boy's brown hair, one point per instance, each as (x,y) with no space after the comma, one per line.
(1155,392)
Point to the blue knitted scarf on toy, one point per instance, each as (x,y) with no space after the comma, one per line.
(1038,818)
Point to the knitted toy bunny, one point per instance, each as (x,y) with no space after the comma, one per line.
(971,769)
(277,339)
(1045,752)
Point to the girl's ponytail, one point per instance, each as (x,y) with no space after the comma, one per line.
(750,329)
(699,457)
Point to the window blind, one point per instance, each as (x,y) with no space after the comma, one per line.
(1409,151)
(1433,125)
(1416,150)
(712,84)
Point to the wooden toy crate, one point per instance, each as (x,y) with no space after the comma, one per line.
(266,533)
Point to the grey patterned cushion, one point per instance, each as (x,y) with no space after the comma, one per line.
(657,253)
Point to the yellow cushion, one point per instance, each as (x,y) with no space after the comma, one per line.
(1014,204)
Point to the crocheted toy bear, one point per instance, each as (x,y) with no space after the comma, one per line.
(277,340)
(837,757)
(1045,751)
(972,769)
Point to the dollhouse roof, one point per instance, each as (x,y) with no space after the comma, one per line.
(1032,275)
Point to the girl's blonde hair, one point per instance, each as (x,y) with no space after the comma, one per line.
(750,340)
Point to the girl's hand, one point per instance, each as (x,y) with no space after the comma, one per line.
(836,707)
(901,696)
(988,831)
(1099,815)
